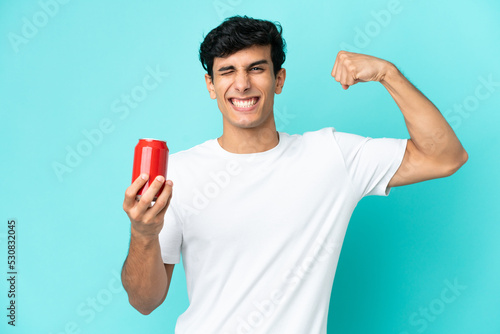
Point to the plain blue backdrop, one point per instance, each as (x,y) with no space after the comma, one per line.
(82,81)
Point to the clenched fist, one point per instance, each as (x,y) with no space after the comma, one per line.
(351,68)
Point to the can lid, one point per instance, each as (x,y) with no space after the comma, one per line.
(152,139)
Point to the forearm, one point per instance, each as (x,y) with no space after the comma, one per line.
(428,129)
(143,275)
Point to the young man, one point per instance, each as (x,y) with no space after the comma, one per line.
(260,216)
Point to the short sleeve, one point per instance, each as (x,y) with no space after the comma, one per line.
(371,163)
(171,237)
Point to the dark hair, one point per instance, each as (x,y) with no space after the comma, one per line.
(237,33)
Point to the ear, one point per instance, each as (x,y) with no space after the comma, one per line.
(280,81)
(210,87)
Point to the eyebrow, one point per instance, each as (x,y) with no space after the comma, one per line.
(255,63)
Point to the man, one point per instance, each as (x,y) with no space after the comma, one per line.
(260,216)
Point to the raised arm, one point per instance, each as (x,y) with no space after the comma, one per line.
(433,150)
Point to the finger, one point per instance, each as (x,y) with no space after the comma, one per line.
(148,196)
(336,65)
(337,77)
(133,189)
(162,212)
(337,73)
(350,80)
(162,201)
(344,79)
(345,87)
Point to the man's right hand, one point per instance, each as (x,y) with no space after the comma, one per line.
(147,221)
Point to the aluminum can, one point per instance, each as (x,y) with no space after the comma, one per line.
(151,157)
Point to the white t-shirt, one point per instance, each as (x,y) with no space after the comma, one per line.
(260,234)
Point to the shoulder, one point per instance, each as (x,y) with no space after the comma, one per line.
(330,140)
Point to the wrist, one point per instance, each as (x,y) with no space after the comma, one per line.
(143,239)
(391,73)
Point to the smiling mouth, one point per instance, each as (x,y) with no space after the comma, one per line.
(244,103)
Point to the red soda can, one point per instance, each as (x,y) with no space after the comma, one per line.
(151,157)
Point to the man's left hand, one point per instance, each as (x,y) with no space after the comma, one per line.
(351,68)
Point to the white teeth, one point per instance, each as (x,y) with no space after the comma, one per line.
(244,103)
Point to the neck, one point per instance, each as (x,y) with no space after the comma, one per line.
(252,140)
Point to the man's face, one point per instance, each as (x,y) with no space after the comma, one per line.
(244,86)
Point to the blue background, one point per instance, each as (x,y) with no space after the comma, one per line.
(64,70)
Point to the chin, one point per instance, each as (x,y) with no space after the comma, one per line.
(245,124)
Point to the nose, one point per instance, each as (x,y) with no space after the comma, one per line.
(242,82)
